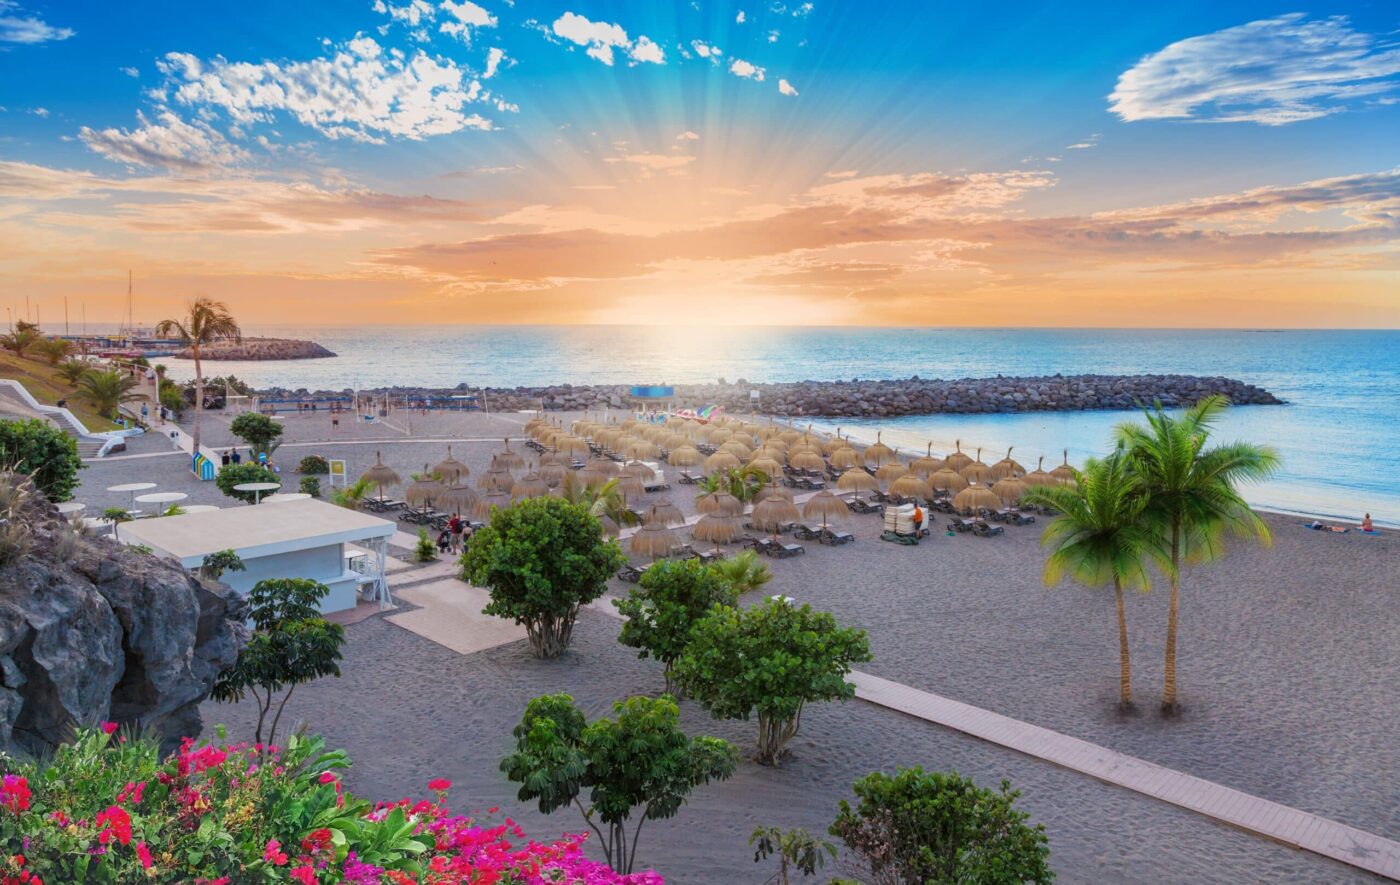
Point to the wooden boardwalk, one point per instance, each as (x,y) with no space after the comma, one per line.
(1290,826)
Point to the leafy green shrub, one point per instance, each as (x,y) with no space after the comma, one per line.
(666,603)
(173,400)
(641,759)
(237,474)
(425,550)
(796,850)
(291,644)
(107,809)
(44,453)
(220,561)
(771,659)
(310,485)
(258,431)
(941,827)
(542,559)
(314,464)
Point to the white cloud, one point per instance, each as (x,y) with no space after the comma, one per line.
(601,38)
(802,11)
(39,112)
(773,36)
(741,68)
(170,143)
(413,13)
(1274,71)
(131,72)
(468,15)
(705,50)
(359,92)
(688,136)
(786,88)
(739,19)
(27,29)
(494,57)
(843,173)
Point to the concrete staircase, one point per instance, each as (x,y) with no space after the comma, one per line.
(90,445)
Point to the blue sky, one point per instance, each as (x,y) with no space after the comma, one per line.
(620,119)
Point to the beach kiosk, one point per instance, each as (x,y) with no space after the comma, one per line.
(297,539)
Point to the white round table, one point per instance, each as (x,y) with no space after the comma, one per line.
(280,498)
(133,488)
(69,507)
(257,488)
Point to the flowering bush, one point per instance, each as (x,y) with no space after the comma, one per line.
(107,809)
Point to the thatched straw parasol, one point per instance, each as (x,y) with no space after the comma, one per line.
(927,465)
(571,445)
(911,485)
(947,480)
(737,449)
(655,541)
(1010,489)
(639,449)
(845,457)
(553,475)
(857,480)
(509,459)
(423,490)
(496,479)
(720,461)
(958,460)
(807,460)
(685,456)
(531,485)
(450,469)
(457,498)
(719,502)
(767,466)
(891,471)
(878,454)
(605,466)
(638,469)
(831,445)
(826,505)
(1038,476)
(716,529)
(664,512)
(1007,467)
(772,512)
(1064,474)
(381,475)
(482,509)
(976,498)
(977,471)
(590,478)
(630,487)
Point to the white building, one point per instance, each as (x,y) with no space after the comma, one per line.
(295,539)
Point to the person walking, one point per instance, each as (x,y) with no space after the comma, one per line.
(455,526)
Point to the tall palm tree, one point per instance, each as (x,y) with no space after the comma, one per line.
(1103,536)
(207,321)
(1191,495)
(108,390)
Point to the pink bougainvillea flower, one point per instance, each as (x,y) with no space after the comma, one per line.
(14,793)
(114,823)
(273,853)
(440,785)
(144,854)
(109,727)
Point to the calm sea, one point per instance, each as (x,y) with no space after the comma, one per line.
(1339,436)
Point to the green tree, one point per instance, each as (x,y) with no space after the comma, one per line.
(1103,537)
(53,350)
(220,561)
(44,453)
(172,399)
(116,516)
(237,474)
(604,501)
(72,371)
(207,321)
(771,659)
(291,645)
(639,761)
(1191,493)
(424,550)
(314,465)
(107,390)
(258,431)
(665,604)
(796,850)
(310,485)
(743,483)
(743,571)
(352,495)
(542,559)
(941,827)
(20,340)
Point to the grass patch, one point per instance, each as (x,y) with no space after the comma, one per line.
(48,387)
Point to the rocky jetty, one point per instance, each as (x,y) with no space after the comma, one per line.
(93,631)
(873,399)
(260,349)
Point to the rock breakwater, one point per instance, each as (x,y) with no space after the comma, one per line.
(883,398)
(260,349)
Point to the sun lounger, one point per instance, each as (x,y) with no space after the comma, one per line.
(1016,517)
(760,545)
(630,574)
(688,479)
(858,505)
(783,551)
(806,533)
(959,525)
(984,530)
(835,539)
(709,556)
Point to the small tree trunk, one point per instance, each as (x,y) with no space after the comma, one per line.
(773,735)
(1170,707)
(198,394)
(549,636)
(1125,679)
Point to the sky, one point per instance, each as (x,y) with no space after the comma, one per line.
(708,163)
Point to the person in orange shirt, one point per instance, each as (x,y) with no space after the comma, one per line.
(918,519)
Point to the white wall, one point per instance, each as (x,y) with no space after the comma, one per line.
(325,564)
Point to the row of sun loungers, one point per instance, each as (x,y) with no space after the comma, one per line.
(978,527)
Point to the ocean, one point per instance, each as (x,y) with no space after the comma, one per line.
(1339,437)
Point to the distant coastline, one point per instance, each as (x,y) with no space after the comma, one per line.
(260,349)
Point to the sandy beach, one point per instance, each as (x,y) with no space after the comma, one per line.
(1288,678)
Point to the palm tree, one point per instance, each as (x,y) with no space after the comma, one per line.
(1191,495)
(743,483)
(107,390)
(1103,536)
(208,321)
(742,571)
(605,500)
(72,371)
(53,350)
(20,340)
